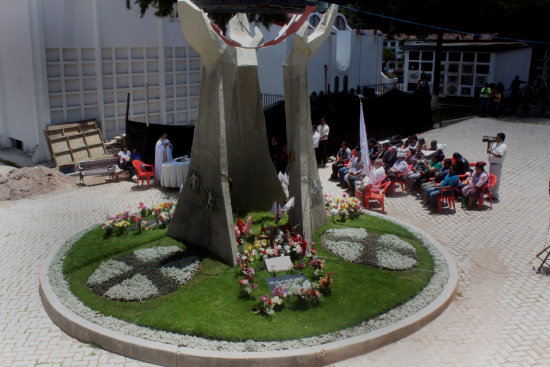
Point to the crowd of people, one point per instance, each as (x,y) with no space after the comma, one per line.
(423,169)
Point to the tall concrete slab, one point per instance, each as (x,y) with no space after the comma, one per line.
(203,215)
(304,184)
(255,182)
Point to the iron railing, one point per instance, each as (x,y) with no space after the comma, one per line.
(371,90)
(270,99)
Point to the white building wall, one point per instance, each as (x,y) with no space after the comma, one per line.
(511,63)
(77,59)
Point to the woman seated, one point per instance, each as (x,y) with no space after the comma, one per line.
(473,190)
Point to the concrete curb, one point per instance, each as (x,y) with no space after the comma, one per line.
(171,355)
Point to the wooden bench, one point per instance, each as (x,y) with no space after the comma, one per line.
(97,167)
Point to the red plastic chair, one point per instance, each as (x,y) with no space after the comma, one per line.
(486,190)
(144,171)
(401,179)
(447,195)
(376,193)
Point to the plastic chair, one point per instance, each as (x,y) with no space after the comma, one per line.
(377,193)
(401,179)
(447,195)
(486,190)
(144,171)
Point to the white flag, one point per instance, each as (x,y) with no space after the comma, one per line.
(363,142)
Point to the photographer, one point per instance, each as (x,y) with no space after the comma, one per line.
(497,152)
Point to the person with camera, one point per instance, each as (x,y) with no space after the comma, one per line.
(497,151)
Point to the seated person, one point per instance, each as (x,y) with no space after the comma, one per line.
(399,167)
(343,171)
(125,163)
(439,175)
(426,171)
(377,175)
(432,193)
(473,189)
(461,164)
(355,169)
(136,156)
(343,155)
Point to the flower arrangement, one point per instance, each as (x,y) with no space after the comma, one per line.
(274,242)
(160,216)
(346,207)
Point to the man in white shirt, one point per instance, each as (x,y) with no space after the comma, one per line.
(376,177)
(497,152)
(316,138)
(323,141)
(125,163)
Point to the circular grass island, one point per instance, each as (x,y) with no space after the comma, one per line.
(173,303)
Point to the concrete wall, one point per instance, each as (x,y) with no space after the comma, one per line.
(511,63)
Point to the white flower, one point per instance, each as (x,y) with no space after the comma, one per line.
(349,250)
(137,288)
(351,233)
(181,270)
(155,253)
(392,260)
(108,270)
(396,243)
(276,300)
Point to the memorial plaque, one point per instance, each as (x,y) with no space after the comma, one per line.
(277,264)
(286,281)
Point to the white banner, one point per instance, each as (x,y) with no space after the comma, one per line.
(363,142)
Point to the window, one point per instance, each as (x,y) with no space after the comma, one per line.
(468,57)
(454,56)
(414,55)
(482,69)
(314,20)
(340,23)
(484,57)
(427,55)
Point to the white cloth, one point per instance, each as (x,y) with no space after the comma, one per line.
(316,138)
(161,145)
(173,173)
(495,167)
(124,155)
(324,131)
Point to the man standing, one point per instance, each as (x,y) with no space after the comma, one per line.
(163,153)
(497,152)
(323,140)
(316,138)
(485,95)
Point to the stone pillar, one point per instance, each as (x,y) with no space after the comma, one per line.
(255,181)
(203,215)
(304,184)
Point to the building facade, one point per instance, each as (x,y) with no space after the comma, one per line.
(466,66)
(69,60)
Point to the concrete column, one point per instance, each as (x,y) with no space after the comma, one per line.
(304,183)
(203,215)
(255,181)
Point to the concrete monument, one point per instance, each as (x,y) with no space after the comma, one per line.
(255,182)
(203,215)
(304,185)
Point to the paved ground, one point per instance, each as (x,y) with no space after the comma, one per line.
(499,318)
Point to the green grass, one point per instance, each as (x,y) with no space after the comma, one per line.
(209,305)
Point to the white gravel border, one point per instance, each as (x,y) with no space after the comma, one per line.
(432,291)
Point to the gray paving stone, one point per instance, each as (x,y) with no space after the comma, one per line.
(499,317)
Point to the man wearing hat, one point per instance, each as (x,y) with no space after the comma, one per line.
(497,152)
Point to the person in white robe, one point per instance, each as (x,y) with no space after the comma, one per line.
(163,153)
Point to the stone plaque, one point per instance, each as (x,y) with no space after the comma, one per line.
(277,264)
(286,281)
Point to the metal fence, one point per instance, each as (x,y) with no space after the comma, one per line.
(371,90)
(451,111)
(271,99)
